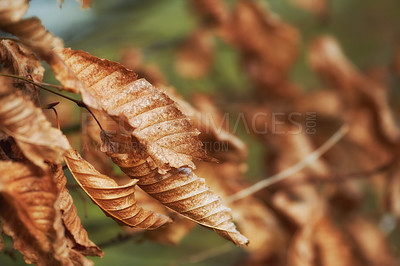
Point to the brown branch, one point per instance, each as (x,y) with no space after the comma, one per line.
(118,239)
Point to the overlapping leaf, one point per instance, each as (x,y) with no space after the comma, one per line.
(72,222)
(116,201)
(180,189)
(30,217)
(32,33)
(20,61)
(167,135)
(35,136)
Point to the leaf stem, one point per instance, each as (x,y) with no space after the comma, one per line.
(42,86)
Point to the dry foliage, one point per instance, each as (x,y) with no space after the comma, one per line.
(172,176)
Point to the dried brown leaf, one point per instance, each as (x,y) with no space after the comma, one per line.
(72,222)
(26,123)
(20,61)
(28,210)
(116,201)
(156,122)
(32,33)
(195,56)
(217,139)
(215,128)
(180,189)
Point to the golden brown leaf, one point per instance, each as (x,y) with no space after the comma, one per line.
(160,127)
(180,189)
(72,222)
(26,123)
(196,54)
(32,32)
(12,11)
(116,201)
(20,61)
(217,139)
(215,129)
(28,210)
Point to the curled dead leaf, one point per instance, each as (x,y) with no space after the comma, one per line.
(180,189)
(72,222)
(30,216)
(155,121)
(116,201)
(20,61)
(35,136)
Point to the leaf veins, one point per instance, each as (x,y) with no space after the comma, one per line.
(116,201)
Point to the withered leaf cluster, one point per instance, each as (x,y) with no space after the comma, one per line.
(172,175)
(143,130)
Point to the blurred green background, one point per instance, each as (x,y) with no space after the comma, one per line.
(368,31)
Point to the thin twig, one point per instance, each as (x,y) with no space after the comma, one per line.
(53,86)
(204,255)
(42,86)
(119,239)
(312,157)
(78,102)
